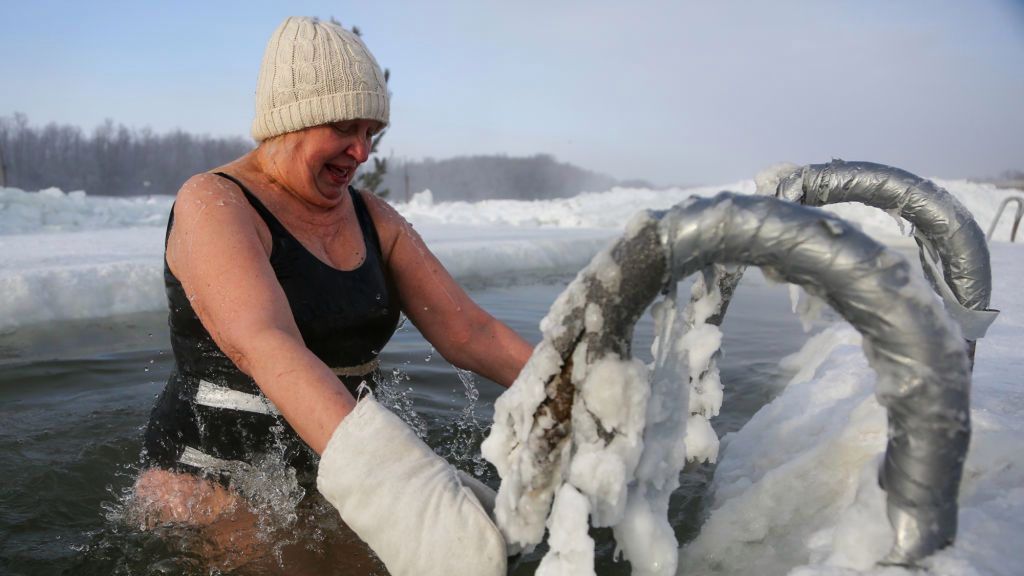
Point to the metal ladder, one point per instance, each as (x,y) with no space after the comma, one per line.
(1016,217)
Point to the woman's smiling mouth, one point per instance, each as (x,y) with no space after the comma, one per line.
(338,174)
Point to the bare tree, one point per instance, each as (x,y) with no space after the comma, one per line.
(485,177)
(115,160)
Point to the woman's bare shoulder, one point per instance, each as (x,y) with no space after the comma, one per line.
(389,223)
(379,206)
(207,189)
(211,213)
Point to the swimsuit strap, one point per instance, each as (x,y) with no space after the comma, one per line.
(365,222)
(268,217)
(167,231)
(366,227)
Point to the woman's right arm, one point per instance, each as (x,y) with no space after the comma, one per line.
(216,250)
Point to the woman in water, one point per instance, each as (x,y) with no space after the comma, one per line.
(284,283)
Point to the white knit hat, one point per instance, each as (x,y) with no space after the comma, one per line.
(314,73)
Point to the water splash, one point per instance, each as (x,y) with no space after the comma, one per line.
(272,526)
(393,393)
(462,447)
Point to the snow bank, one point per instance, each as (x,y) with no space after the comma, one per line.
(77,256)
(52,210)
(76,275)
(607,210)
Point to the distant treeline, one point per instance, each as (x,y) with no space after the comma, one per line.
(112,161)
(1009,179)
(119,161)
(474,178)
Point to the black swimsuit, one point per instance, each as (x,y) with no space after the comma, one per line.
(211,417)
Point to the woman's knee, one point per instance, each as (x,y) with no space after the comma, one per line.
(164,496)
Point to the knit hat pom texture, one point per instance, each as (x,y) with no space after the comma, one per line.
(315,73)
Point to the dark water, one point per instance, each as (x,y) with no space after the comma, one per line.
(74,397)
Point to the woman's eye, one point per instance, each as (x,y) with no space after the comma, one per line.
(347,129)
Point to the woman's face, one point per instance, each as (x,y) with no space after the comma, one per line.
(327,156)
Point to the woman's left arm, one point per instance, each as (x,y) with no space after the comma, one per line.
(465,334)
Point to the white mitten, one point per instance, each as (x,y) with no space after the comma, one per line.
(406,502)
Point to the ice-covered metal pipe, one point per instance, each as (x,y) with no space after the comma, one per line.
(953,250)
(923,373)
(531,441)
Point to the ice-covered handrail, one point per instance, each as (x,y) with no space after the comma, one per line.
(922,367)
(1016,217)
(953,250)
(943,228)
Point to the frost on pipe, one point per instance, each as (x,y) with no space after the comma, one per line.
(550,426)
(539,423)
(709,299)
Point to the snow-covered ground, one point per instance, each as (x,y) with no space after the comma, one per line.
(795,489)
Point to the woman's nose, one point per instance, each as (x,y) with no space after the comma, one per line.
(360,147)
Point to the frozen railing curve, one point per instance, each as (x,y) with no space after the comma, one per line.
(953,250)
(909,340)
(939,219)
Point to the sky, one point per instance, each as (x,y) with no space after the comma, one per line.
(676,93)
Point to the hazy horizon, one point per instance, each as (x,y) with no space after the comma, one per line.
(673,93)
